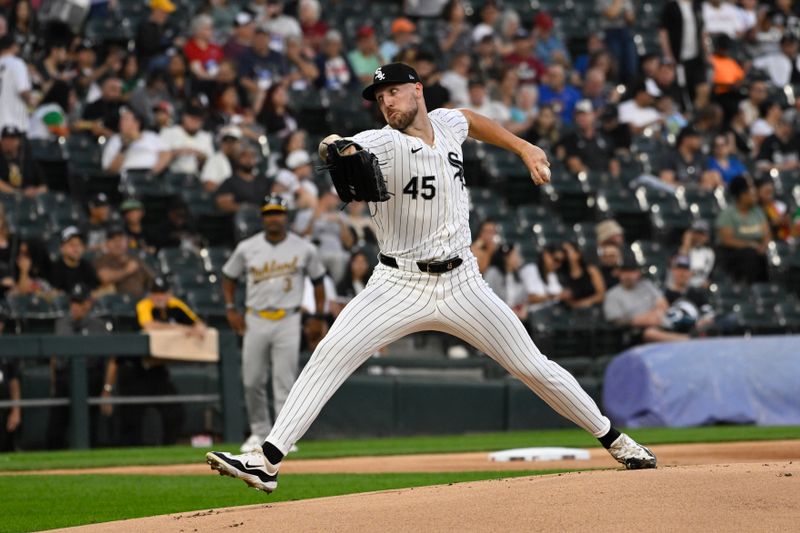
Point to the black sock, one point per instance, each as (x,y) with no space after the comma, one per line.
(607,439)
(272,453)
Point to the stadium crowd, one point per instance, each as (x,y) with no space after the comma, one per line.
(138,138)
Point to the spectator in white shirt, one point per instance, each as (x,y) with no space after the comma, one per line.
(722,17)
(503,276)
(638,112)
(783,67)
(694,244)
(294,183)
(770,114)
(456,80)
(15,86)
(279,25)
(757,93)
(189,144)
(541,278)
(219,166)
(748,15)
(480,102)
(133,149)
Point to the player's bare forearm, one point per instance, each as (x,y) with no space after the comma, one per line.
(228,290)
(486,130)
(319,296)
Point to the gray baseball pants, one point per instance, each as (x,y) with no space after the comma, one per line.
(269,345)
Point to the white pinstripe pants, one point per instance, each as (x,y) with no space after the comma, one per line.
(396,303)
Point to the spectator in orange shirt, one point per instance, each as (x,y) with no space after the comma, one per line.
(728,76)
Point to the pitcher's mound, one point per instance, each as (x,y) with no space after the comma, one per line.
(726,497)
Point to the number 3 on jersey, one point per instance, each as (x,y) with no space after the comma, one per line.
(428,188)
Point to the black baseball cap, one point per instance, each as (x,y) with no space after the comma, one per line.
(274,203)
(79,293)
(70,232)
(98,200)
(682,261)
(629,262)
(160,285)
(11,131)
(390,74)
(115,230)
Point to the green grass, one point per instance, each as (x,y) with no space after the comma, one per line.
(391,446)
(37,502)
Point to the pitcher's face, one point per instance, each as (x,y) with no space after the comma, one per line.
(398,103)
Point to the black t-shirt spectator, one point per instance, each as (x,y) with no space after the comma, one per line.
(774,150)
(435,95)
(620,136)
(594,153)
(64,277)
(685,171)
(10,370)
(246,191)
(104,110)
(270,68)
(696,295)
(20,172)
(151,40)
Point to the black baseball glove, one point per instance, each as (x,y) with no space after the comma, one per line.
(357,176)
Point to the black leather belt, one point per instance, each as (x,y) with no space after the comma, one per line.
(430,267)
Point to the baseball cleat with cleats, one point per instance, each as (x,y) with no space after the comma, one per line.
(252,468)
(632,454)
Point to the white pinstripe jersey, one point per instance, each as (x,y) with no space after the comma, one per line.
(427,217)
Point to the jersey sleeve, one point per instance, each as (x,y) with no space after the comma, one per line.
(455,120)
(22,80)
(378,142)
(112,148)
(314,267)
(181,306)
(532,280)
(234,267)
(144,312)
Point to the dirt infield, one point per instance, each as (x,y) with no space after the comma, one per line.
(742,486)
(723,497)
(668,455)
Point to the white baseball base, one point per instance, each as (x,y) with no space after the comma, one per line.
(539,454)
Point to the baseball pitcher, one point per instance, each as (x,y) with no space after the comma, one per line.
(412,172)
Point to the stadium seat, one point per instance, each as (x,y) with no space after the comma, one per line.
(175,259)
(247,222)
(121,309)
(629,208)
(551,232)
(669,221)
(84,153)
(758,320)
(725,296)
(48,151)
(767,294)
(214,257)
(789,311)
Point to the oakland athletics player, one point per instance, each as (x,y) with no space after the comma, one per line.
(276,263)
(427,279)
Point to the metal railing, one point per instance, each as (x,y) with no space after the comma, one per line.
(77,348)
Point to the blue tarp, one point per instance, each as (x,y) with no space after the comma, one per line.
(710,381)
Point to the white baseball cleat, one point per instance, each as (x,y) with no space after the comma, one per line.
(252,468)
(632,454)
(252,444)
